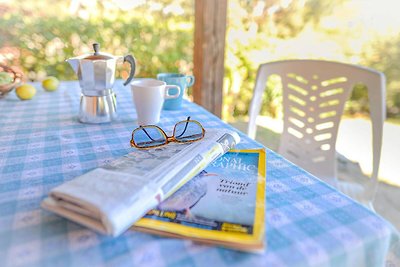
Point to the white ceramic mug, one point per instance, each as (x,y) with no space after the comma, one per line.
(149,96)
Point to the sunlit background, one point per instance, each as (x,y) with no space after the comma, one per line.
(37,36)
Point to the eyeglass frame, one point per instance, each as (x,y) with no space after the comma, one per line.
(168,139)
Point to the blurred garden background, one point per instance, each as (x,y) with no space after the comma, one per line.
(37,36)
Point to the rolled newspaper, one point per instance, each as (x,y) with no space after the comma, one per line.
(111,198)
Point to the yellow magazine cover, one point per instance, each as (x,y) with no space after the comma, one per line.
(223,205)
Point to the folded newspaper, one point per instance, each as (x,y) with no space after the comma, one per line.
(111,198)
(223,205)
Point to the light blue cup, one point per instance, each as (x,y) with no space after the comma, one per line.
(181,80)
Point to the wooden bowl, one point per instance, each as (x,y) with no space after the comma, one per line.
(16,80)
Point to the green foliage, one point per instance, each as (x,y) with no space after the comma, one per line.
(384,54)
(265,31)
(255,30)
(41,44)
(359,101)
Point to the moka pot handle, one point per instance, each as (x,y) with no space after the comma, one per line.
(131,60)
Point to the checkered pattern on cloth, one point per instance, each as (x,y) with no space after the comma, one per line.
(43,145)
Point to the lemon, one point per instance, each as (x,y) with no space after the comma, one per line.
(25,92)
(50,84)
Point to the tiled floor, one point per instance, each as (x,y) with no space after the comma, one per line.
(355,159)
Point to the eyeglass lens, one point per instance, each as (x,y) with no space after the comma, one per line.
(149,137)
(186,131)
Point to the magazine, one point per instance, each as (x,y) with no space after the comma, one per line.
(224,204)
(111,198)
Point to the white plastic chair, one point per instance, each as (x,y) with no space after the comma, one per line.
(314,94)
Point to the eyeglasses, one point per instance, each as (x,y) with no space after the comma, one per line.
(150,136)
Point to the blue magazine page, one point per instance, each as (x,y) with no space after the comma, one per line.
(224,204)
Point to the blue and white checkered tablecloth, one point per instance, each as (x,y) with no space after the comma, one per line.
(43,145)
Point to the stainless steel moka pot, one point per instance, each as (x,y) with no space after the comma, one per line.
(96,74)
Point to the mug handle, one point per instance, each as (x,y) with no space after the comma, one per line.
(190,79)
(168,95)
